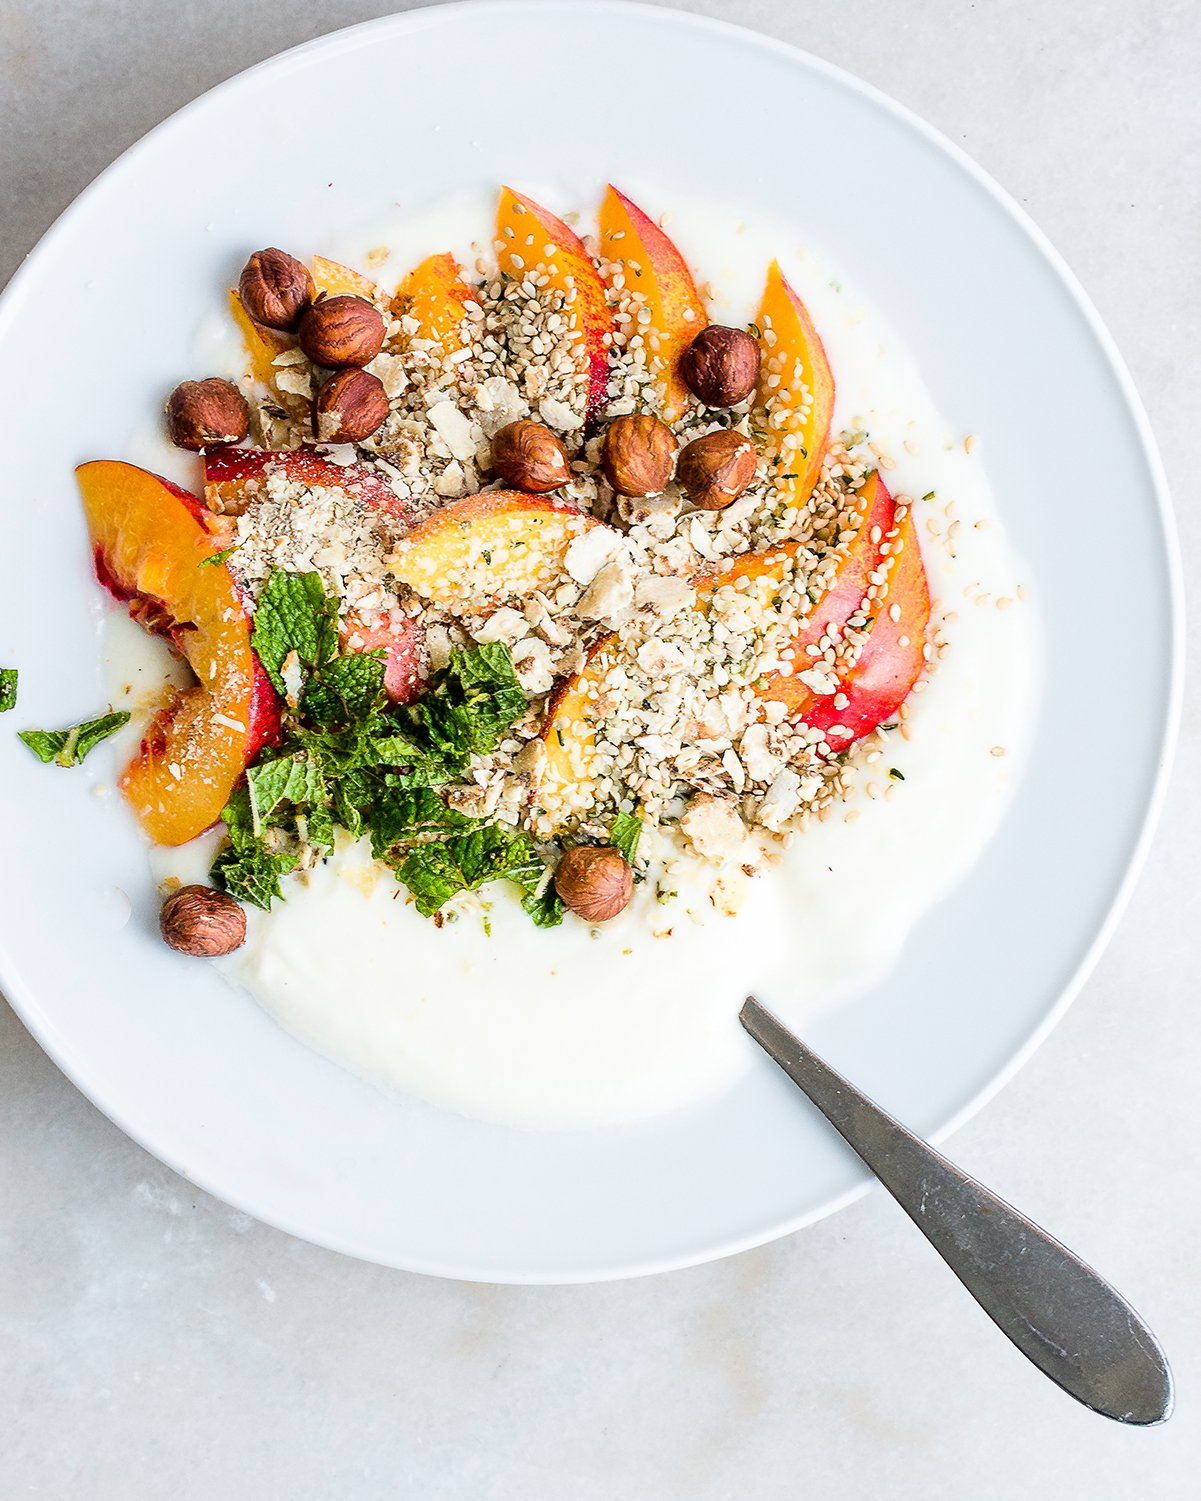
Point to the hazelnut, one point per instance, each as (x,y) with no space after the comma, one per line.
(275,289)
(530,457)
(717,468)
(342,331)
(198,920)
(638,455)
(350,406)
(594,881)
(721,365)
(203,412)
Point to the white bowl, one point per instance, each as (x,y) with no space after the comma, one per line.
(99,324)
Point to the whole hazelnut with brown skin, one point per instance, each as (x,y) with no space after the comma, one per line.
(275,289)
(529,456)
(638,455)
(200,921)
(350,406)
(721,365)
(717,468)
(203,412)
(342,331)
(594,881)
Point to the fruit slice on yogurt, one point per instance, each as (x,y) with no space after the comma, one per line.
(528,237)
(262,344)
(435,296)
(477,552)
(893,656)
(234,476)
(149,539)
(652,266)
(336,280)
(794,400)
(402,641)
(566,780)
(847,578)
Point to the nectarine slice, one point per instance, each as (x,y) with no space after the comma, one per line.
(149,540)
(529,237)
(479,551)
(336,280)
(794,400)
(654,267)
(230,473)
(402,642)
(566,783)
(435,295)
(262,344)
(892,658)
(856,559)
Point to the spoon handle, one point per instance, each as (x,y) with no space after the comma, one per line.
(1058,1312)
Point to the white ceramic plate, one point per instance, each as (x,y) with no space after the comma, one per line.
(103,316)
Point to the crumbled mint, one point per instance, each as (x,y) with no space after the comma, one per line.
(349,759)
(440,869)
(294,614)
(215,559)
(70,747)
(8,689)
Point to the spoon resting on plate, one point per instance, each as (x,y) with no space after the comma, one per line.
(1058,1312)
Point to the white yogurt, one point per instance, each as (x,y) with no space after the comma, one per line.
(570,1028)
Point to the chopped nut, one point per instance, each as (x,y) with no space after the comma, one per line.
(638,455)
(530,457)
(203,412)
(713,827)
(342,331)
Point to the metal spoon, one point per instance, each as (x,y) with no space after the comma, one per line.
(1056,1310)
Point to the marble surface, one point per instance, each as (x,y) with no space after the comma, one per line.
(159,1345)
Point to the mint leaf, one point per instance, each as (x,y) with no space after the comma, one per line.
(403,813)
(8,689)
(215,559)
(471,702)
(70,747)
(249,871)
(436,871)
(624,834)
(316,827)
(294,614)
(345,690)
(545,907)
(294,779)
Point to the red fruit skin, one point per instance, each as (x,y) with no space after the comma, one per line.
(228,469)
(403,644)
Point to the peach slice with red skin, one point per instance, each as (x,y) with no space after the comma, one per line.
(565,782)
(844,595)
(653,266)
(477,552)
(262,344)
(435,295)
(149,539)
(893,656)
(796,411)
(230,472)
(529,236)
(336,280)
(402,642)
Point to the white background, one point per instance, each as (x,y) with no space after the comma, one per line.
(156,1344)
